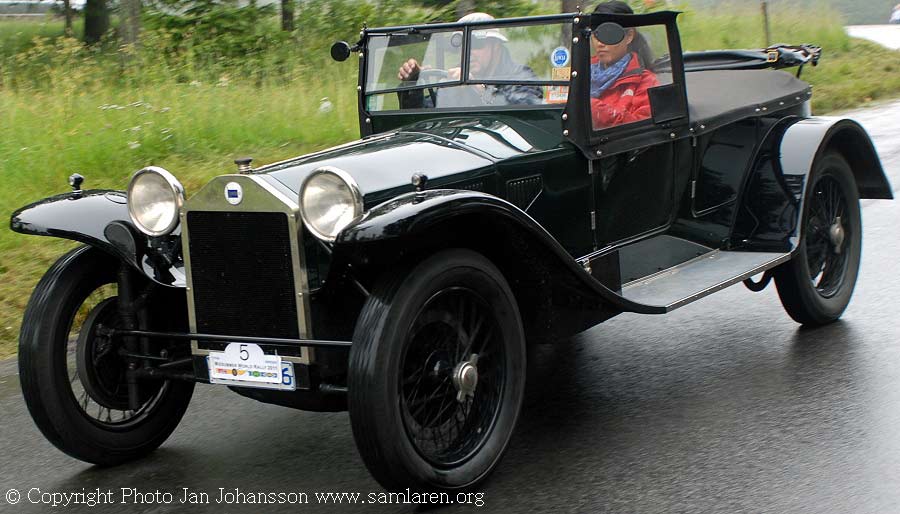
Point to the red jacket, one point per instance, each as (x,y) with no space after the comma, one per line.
(626,100)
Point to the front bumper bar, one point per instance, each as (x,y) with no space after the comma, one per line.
(311,343)
(157,367)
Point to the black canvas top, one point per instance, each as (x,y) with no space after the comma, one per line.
(723,96)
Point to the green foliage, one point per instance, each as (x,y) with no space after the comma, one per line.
(17,34)
(446,9)
(723,27)
(213,31)
(855,12)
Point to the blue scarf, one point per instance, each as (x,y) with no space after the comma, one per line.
(602,77)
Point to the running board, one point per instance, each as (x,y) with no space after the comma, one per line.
(692,280)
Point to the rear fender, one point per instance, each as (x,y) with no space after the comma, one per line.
(100,219)
(772,201)
(807,140)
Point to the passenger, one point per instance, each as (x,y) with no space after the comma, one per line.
(619,78)
(489,60)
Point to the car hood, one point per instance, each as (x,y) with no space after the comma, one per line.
(383,164)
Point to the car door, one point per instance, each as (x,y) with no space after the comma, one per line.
(635,108)
(633,193)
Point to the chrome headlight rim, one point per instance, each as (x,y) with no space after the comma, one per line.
(177,193)
(352,186)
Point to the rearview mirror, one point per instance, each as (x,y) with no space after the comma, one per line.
(340,51)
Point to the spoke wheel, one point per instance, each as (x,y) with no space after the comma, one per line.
(73,379)
(452,376)
(437,373)
(815,286)
(97,373)
(827,235)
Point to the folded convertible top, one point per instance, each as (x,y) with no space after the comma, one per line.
(717,97)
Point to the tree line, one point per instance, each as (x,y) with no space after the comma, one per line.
(98,14)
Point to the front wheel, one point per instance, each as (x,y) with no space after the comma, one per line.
(816,284)
(437,373)
(74,379)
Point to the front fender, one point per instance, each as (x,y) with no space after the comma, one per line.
(445,217)
(99,218)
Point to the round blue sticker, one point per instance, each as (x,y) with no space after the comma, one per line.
(559,57)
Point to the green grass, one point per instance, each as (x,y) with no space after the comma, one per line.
(66,109)
(16,34)
(856,12)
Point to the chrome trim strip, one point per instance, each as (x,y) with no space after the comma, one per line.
(260,195)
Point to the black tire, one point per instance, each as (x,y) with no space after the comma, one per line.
(815,286)
(415,328)
(49,384)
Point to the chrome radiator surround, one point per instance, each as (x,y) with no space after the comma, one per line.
(263,195)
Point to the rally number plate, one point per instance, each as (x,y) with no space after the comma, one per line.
(246,365)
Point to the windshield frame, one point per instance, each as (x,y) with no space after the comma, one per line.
(466,29)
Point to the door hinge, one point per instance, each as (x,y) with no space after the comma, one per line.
(593,220)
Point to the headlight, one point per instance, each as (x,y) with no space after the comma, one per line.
(329,201)
(155,198)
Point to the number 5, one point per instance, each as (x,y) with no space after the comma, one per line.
(244,353)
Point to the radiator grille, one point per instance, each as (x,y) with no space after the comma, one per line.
(242,274)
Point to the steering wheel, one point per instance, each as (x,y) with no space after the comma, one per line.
(432,75)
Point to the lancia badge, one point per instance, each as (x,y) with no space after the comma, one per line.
(234,193)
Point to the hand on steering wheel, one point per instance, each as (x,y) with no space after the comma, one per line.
(412,71)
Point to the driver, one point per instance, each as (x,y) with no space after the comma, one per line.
(619,79)
(489,59)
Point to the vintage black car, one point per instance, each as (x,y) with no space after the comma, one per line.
(487,207)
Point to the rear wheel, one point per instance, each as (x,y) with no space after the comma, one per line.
(815,286)
(437,373)
(74,379)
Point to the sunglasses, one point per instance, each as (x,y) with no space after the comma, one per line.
(609,33)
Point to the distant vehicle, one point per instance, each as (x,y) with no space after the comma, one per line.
(400,276)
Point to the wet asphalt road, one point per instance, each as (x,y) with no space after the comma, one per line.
(725,405)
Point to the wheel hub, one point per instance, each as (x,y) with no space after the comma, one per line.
(465,378)
(836,234)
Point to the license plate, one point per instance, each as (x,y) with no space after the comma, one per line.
(246,365)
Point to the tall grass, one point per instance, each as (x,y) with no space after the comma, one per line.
(180,102)
(17,34)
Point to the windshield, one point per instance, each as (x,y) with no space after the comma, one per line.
(505,65)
